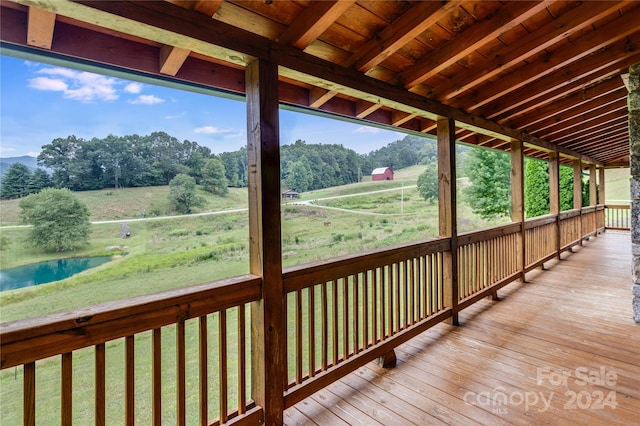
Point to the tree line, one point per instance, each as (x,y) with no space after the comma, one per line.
(137,161)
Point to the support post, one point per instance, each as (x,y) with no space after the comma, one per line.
(633,103)
(593,187)
(554,194)
(577,190)
(268,331)
(447,210)
(601,187)
(517,201)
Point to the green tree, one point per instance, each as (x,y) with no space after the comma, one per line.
(536,188)
(214,178)
(300,175)
(428,182)
(566,188)
(182,194)
(489,194)
(15,182)
(39,180)
(60,221)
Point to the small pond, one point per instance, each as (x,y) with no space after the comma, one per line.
(46,272)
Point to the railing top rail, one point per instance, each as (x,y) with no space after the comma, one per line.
(617,206)
(66,331)
(570,213)
(488,233)
(301,276)
(535,222)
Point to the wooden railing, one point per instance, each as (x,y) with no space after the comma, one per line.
(199,317)
(341,314)
(345,313)
(617,217)
(487,260)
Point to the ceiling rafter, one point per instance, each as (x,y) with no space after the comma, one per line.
(471,39)
(408,26)
(40,28)
(586,45)
(553,32)
(313,21)
(171,59)
(583,72)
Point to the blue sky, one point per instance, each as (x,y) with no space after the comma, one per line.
(39,103)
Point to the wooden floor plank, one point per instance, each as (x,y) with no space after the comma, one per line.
(568,322)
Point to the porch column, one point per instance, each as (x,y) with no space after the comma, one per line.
(554,193)
(517,200)
(447,210)
(577,184)
(601,187)
(268,331)
(634,160)
(592,185)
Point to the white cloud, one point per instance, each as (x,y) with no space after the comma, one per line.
(33,153)
(77,85)
(211,130)
(4,149)
(147,100)
(133,88)
(366,129)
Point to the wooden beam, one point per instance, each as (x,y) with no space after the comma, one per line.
(592,185)
(40,28)
(588,44)
(517,201)
(447,210)
(601,186)
(364,108)
(313,21)
(404,29)
(319,97)
(399,118)
(554,197)
(507,17)
(577,184)
(268,326)
(171,59)
(575,20)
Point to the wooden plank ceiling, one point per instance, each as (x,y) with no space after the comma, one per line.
(546,72)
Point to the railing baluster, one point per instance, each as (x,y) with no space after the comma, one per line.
(356,313)
(222,336)
(181,373)
(242,359)
(335,321)
(299,336)
(345,318)
(312,330)
(325,327)
(130,393)
(66,393)
(374,306)
(101,384)
(365,310)
(29,394)
(157,376)
(203,361)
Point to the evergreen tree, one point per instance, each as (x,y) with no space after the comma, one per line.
(214,178)
(39,180)
(566,188)
(489,194)
(59,220)
(536,188)
(15,182)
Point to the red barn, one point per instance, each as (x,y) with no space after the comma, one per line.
(382,173)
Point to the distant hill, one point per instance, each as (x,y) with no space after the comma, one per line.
(30,162)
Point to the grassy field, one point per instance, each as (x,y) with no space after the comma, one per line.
(182,251)
(617,190)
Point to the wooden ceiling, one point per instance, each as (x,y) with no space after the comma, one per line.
(545,72)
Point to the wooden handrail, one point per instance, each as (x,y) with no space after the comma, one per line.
(31,339)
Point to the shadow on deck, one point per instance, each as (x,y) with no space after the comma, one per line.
(559,349)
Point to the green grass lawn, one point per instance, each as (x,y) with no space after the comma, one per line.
(183,251)
(617,186)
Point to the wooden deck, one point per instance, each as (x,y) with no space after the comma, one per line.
(522,360)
